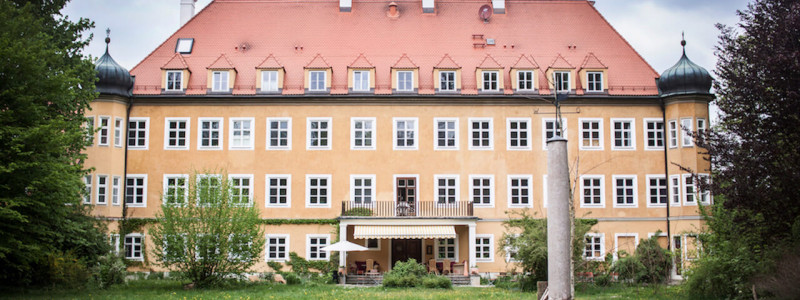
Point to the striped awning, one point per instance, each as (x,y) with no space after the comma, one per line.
(404,232)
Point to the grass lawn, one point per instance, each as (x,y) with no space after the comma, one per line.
(168,289)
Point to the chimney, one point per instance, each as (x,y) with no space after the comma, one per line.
(393,12)
(187,10)
(499,6)
(428,6)
(345,5)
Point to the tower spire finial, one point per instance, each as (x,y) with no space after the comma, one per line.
(683,42)
(108,38)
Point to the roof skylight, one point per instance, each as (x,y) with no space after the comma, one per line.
(184,46)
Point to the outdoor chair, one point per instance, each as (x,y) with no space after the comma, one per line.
(447,267)
(432,267)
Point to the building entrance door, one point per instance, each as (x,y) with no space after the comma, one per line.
(406,196)
(403,249)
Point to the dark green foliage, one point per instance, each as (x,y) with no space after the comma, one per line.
(654,259)
(109,270)
(506,282)
(155,276)
(628,268)
(437,282)
(292,278)
(276,266)
(304,267)
(405,274)
(66,270)
(46,84)
(208,237)
(754,151)
(602,279)
(358,211)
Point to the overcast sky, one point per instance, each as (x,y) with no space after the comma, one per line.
(652,27)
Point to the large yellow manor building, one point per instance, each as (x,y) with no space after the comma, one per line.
(418,125)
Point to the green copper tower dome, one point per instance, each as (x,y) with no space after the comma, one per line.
(684,78)
(113,79)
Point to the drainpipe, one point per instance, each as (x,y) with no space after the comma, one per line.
(125,163)
(666,167)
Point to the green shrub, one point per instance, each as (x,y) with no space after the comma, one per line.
(66,270)
(602,280)
(629,269)
(155,276)
(654,259)
(405,274)
(434,281)
(505,282)
(292,279)
(276,266)
(267,276)
(358,211)
(109,270)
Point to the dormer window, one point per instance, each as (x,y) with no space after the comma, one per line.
(525,80)
(316,81)
(269,81)
(594,81)
(405,81)
(490,79)
(447,81)
(361,81)
(561,80)
(219,81)
(174,81)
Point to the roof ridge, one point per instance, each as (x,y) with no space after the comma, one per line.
(563,63)
(404,58)
(443,63)
(360,59)
(315,63)
(489,63)
(222,62)
(592,62)
(265,63)
(525,62)
(177,58)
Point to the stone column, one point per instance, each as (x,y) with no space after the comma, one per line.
(559,256)
(471,260)
(342,237)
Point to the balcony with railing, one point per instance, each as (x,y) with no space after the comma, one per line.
(420,209)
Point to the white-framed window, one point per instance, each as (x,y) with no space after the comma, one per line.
(512,252)
(550,130)
(593,191)
(317,81)
(269,81)
(624,134)
(591,134)
(447,249)
(277,247)
(113,240)
(525,81)
(239,246)
(686,132)
(87,182)
(673,133)
(446,189)
(219,81)
(104,131)
(675,190)
(561,80)
(490,81)
(362,131)
(701,127)
(136,190)
(116,181)
(625,191)
(481,190)
(279,133)
(279,190)
(657,195)
(595,247)
(361,81)
(625,243)
(133,246)
(520,191)
(689,190)
(405,133)
(176,189)
(484,247)
(176,134)
(314,245)
(319,133)
(118,132)
(518,133)
(405,81)
(654,134)
(241,189)
(318,190)
(89,126)
(704,194)
(206,248)
(209,133)
(594,81)
(174,246)
(208,187)
(241,134)
(447,81)
(102,190)
(137,133)
(480,134)
(174,81)
(445,134)
(362,188)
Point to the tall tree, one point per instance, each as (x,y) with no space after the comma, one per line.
(46,83)
(755,150)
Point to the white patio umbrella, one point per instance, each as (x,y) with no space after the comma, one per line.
(344,247)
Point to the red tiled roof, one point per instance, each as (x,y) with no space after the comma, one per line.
(361,62)
(489,63)
(270,63)
(560,63)
(525,63)
(404,62)
(314,34)
(222,62)
(592,62)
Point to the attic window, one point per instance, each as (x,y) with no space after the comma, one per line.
(184,46)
